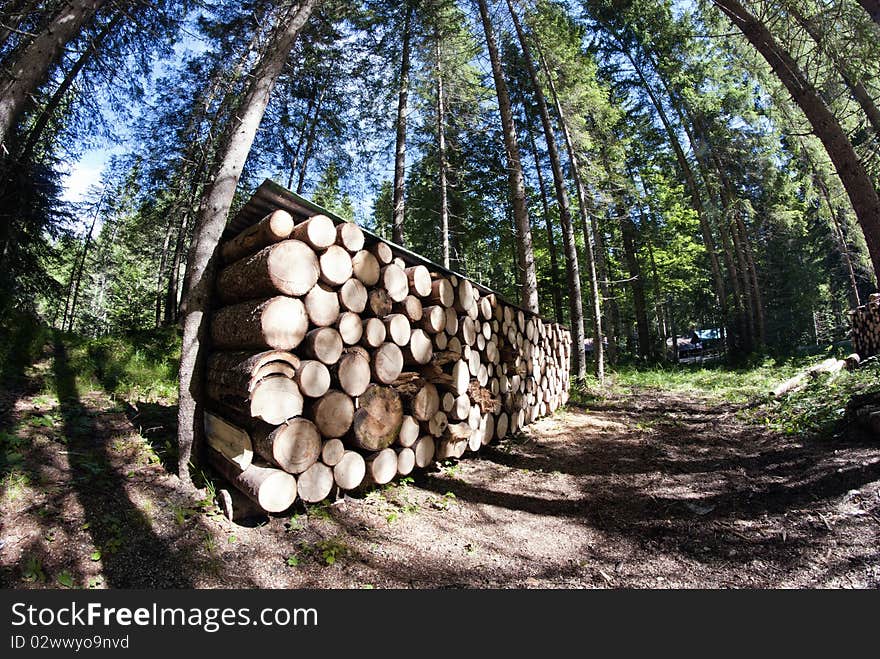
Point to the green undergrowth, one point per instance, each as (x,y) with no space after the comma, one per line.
(819,408)
(141,365)
(736,384)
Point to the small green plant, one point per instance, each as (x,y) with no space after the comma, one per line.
(95,556)
(295,523)
(451,470)
(15,482)
(33,570)
(95,582)
(232,538)
(319,511)
(367,586)
(292,560)
(330,551)
(210,544)
(65,579)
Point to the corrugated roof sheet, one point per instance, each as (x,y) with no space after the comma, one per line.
(271,196)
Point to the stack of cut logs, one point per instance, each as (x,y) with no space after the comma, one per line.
(337,364)
(866,327)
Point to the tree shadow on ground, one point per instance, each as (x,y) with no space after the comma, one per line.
(132,554)
(717,491)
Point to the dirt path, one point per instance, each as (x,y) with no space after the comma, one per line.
(651,490)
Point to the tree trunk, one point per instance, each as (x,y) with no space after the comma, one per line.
(82,265)
(160,273)
(855,179)
(514,169)
(49,110)
(637,284)
(216,203)
(551,240)
(12,17)
(598,347)
(441,157)
(27,72)
(569,245)
(310,142)
(400,139)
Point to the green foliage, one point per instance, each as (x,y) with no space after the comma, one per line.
(140,365)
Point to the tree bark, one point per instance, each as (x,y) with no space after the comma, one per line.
(28,71)
(598,347)
(216,203)
(400,139)
(441,157)
(516,181)
(82,265)
(858,184)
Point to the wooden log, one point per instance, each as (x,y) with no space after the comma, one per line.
(441,340)
(411,307)
(501,425)
(442,292)
(486,308)
(312,378)
(433,319)
(324,344)
(419,280)
(406,461)
(488,429)
(365,268)
(273,228)
(852,361)
(483,398)
(236,506)
(273,399)
(273,489)
(350,328)
(474,417)
(349,472)
(382,252)
(461,408)
(352,372)
(318,231)
(381,466)
(332,452)
(451,321)
(378,303)
(419,349)
(387,363)
(437,424)
(464,296)
(425,403)
(230,441)
(378,418)
(475,441)
(374,333)
(333,413)
(322,306)
(241,370)
(293,446)
(289,267)
(335,266)
(467,331)
(450,449)
(350,236)
(409,431)
(278,322)
(315,483)
(394,281)
(397,328)
(424,451)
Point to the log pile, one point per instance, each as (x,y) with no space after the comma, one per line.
(340,361)
(866,327)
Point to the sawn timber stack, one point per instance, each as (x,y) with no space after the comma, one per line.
(339,359)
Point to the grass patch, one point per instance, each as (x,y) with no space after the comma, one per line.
(739,384)
(135,366)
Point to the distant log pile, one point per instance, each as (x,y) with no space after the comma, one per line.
(866,327)
(337,363)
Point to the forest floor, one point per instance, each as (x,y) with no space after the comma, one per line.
(644,488)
